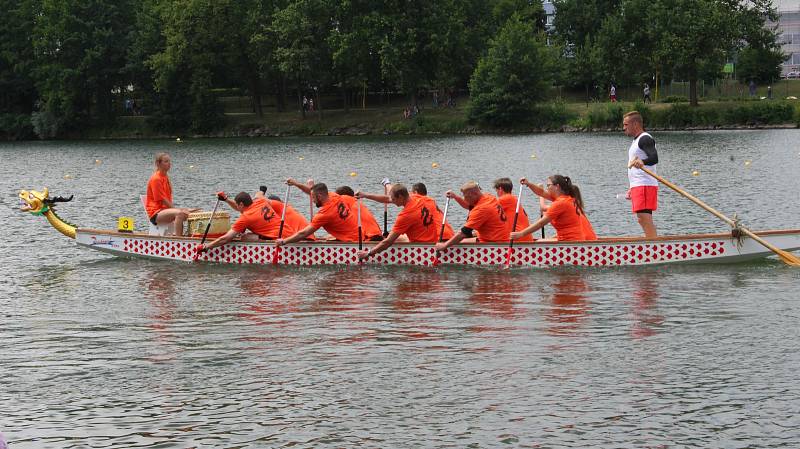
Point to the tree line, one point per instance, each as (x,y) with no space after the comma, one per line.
(66,65)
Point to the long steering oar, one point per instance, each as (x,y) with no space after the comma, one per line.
(514,228)
(441,232)
(385,183)
(208,227)
(785,256)
(277,249)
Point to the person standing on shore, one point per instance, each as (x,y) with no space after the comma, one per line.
(613,93)
(643,191)
(647,93)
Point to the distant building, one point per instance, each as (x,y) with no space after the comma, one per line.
(550,14)
(789,34)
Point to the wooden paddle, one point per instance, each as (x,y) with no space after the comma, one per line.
(386,184)
(360,236)
(514,228)
(277,249)
(208,227)
(786,257)
(441,232)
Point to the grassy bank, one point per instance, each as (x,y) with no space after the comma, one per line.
(551,117)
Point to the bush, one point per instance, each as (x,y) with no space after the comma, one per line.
(16,127)
(605,115)
(675,99)
(552,115)
(761,113)
(46,124)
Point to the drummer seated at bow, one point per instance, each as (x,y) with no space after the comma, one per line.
(565,213)
(418,220)
(486,218)
(260,216)
(337,214)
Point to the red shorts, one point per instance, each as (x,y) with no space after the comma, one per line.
(644,198)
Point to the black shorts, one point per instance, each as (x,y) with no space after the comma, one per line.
(153,219)
(375,238)
(263,237)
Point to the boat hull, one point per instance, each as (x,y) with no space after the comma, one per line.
(703,248)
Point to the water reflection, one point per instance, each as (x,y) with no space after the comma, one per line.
(417,290)
(647,320)
(161,292)
(568,305)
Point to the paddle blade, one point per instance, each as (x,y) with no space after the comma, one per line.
(788,258)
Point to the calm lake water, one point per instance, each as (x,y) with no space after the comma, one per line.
(100,351)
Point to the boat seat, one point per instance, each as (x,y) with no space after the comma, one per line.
(161,229)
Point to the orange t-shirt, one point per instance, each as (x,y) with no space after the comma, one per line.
(509,203)
(566,219)
(158,188)
(588,230)
(293,218)
(438,216)
(260,219)
(339,218)
(489,220)
(418,220)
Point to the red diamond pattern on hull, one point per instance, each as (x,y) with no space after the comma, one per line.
(594,254)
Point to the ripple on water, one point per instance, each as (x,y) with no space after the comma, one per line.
(107,352)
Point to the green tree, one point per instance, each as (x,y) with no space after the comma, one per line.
(693,35)
(17,89)
(80,50)
(301,30)
(759,64)
(513,77)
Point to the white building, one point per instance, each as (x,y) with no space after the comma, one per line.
(789,30)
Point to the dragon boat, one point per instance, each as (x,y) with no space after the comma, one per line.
(619,251)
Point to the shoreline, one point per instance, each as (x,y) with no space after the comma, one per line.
(360,132)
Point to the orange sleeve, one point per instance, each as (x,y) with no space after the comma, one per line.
(240,225)
(477,217)
(321,218)
(556,209)
(402,223)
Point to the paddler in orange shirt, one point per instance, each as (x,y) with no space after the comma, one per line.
(337,214)
(504,187)
(486,217)
(260,216)
(417,220)
(565,213)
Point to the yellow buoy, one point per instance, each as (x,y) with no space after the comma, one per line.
(301,158)
(352,174)
(533,156)
(747,163)
(177,139)
(435,165)
(67,176)
(97,162)
(696,173)
(191,167)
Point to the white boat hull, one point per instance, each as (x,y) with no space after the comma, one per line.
(704,248)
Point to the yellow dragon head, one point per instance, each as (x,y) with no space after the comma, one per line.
(40,203)
(34,202)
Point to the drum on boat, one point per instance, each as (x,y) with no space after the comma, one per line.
(198,221)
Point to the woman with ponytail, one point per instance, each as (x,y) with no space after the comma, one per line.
(565,213)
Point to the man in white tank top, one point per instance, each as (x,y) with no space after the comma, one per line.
(643,191)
